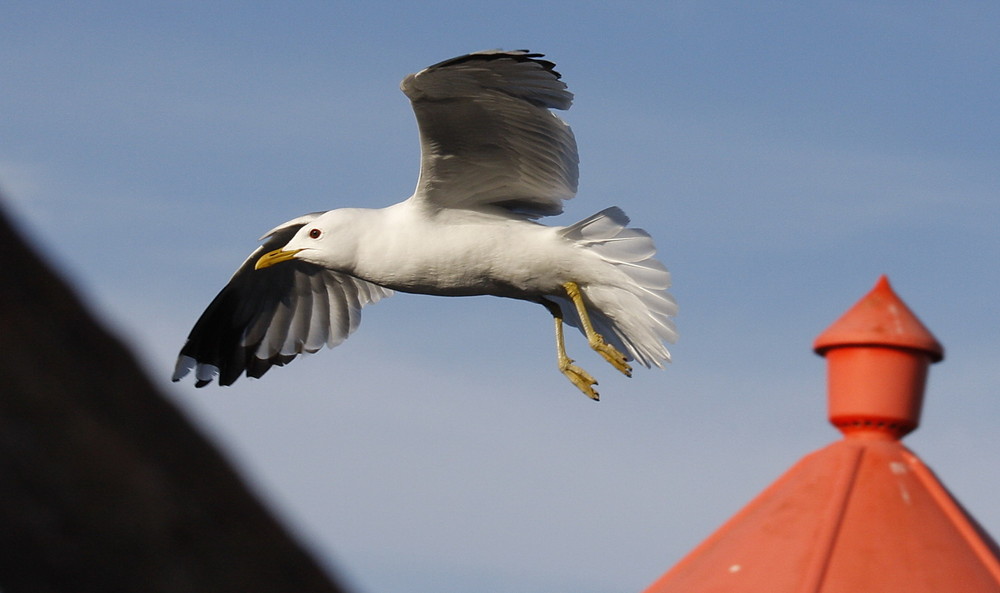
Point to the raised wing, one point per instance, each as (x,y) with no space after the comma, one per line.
(487,136)
(267,317)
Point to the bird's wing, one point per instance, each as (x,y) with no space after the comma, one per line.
(487,136)
(266,317)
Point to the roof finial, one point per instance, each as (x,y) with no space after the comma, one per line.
(877,354)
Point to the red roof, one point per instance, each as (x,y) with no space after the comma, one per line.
(863,514)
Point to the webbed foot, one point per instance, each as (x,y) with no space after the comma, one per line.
(611,354)
(579,377)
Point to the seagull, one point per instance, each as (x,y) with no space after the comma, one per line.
(494,159)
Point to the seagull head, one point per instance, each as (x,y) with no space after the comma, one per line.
(320,241)
(328,240)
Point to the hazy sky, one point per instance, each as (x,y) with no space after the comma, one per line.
(783,157)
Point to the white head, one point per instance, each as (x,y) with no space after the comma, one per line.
(325,241)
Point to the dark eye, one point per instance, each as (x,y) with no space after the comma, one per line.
(315,234)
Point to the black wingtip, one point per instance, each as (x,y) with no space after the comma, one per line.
(518,55)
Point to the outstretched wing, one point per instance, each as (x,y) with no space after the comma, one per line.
(267,317)
(487,136)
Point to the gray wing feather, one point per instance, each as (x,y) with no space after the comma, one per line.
(487,137)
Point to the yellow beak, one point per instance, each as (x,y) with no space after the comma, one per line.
(273,257)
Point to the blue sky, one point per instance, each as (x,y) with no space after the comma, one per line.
(783,155)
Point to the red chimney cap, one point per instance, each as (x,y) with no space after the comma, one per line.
(880,318)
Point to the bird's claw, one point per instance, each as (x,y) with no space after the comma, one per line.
(612,355)
(581,378)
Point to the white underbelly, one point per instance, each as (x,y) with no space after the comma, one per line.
(507,258)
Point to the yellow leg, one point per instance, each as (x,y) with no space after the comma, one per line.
(579,377)
(596,340)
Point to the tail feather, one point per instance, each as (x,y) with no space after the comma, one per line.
(634,314)
(606,224)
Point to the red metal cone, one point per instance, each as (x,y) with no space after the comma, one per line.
(880,318)
(878,353)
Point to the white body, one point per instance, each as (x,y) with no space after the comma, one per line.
(411,247)
(407,247)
